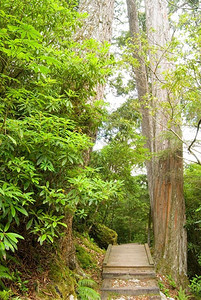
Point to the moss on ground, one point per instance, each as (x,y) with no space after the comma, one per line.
(63,282)
(103,235)
(85,259)
(60,284)
(43,275)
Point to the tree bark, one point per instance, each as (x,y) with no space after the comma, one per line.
(165,170)
(98,26)
(67,246)
(142,85)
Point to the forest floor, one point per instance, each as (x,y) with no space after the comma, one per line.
(39,280)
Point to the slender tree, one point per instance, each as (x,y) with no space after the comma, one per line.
(165,170)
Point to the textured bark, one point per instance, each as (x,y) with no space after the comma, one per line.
(165,170)
(97,25)
(142,85)
(67,246)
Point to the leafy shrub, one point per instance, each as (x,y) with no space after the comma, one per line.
(4,274)
(5,295)
(195,285)
(45,116)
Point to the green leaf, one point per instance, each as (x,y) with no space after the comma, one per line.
(54,224)
(22,210)
(43,237)
(14,236)
(6,227)
(13,212)
(29,224)
(12,139)
(50,238)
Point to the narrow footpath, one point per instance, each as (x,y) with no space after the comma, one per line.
(128,273)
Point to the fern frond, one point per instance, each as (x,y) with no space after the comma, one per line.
(5,295)
(5,273)
(87,293)
(87,283)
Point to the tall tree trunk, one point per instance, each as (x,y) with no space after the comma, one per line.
(165,170)
(97,25)
(142,85)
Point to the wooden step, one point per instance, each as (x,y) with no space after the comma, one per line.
(113,296)
(131,286)
(131,272)
(128,273)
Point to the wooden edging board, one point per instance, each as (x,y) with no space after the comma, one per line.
(107,255)
(150,259)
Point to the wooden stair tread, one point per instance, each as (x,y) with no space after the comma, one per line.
(128,273)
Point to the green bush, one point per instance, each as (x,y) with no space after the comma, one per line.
(45,116)
(195,285)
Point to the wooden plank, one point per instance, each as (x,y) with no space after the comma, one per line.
(127,266)
(150,259)
(107,255)
(128,255)
(128,270)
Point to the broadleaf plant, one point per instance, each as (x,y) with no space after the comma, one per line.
(47,81)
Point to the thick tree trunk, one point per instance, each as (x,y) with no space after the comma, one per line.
(165,170)
(98,26)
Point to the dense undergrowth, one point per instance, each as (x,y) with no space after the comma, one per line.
(42,273)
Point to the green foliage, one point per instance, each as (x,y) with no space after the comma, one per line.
(89,189)
(84,257)
(182,295)
(195,285)
(47,79)
(125,151)
(9,241)
(6,295)
(4,274)
(184,81)
(192,196)
(86,290)
(22,284)
(163,289)
(171,282)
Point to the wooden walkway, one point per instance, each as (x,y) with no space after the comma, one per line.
(128,273)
